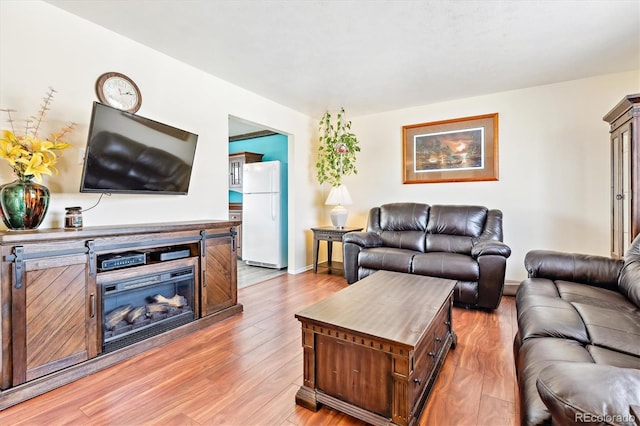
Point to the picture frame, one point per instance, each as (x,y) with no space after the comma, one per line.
(456,150)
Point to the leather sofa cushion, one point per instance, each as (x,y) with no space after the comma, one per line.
(562,389)
(457,220)
(534,355)
(448,243)
(611,328)
(589,295)
(537,286)
(542,316)
(404,217)
(446,265)
(400,225)
(390,259)
(615,358)
(409,240)
(572,267)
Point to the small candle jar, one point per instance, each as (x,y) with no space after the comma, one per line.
(73,217)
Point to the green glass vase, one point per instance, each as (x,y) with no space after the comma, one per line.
(23,204)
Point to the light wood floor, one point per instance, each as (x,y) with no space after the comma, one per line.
(247,369)
(251,275)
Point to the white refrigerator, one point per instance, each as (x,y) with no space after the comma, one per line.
(264,215)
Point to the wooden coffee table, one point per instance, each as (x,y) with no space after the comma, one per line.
(374,349)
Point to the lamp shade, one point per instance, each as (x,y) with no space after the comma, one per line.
(339,196)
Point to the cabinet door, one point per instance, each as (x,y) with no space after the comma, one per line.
(624,119)
(54,315)
(235,172)
(219,286)
(622,185)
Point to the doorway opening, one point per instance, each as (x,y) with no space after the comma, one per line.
(263,237)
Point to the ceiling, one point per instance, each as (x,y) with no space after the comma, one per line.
(378,55)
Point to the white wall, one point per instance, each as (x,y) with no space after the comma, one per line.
(554,182)
(554,156)
(42,46)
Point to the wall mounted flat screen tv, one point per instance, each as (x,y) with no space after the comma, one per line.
(130,154)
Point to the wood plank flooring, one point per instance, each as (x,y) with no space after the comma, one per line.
(250,275)
(247,369)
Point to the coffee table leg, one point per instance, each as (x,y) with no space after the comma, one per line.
(306,397)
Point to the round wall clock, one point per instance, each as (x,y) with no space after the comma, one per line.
(119,91)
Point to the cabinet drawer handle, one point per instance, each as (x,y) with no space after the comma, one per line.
(438,339)
(432,354)
(417,381)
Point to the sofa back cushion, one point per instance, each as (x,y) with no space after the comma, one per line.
(400,225)
(453,228)
(629,282)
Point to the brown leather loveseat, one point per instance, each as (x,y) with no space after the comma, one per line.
(577,349)
(458,242)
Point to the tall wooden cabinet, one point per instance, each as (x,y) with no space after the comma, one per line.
(624,120)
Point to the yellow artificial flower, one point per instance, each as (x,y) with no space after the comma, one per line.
(10,148)
(34,166)
(28,154)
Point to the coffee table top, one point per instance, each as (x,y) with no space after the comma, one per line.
(386,305)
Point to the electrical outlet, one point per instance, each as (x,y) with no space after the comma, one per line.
(81,153)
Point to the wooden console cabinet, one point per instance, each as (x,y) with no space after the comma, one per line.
(51,300)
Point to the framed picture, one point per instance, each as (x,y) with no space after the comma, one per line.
(457,150)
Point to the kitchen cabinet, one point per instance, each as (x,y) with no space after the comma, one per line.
(624,121)
(236,162)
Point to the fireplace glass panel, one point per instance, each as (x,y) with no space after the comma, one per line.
(138,308)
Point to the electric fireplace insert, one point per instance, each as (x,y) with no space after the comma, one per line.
(134,309)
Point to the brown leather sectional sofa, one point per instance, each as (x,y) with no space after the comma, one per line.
(577,350)
(458,242)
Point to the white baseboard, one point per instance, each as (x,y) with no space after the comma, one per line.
(510,287)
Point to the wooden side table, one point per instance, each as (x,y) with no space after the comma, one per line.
(328,234)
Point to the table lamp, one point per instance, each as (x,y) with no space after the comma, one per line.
(339,197)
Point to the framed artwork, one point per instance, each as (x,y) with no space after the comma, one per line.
(457,150)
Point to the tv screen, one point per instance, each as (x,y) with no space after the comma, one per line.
(127,153)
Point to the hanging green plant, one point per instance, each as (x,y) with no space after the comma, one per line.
(337,150)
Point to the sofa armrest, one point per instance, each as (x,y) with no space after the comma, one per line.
(598,271)
(577,393)
(490,247)
(492,257)
(352,244)
(363,239)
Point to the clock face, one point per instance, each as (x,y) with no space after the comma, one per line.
(118,91)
